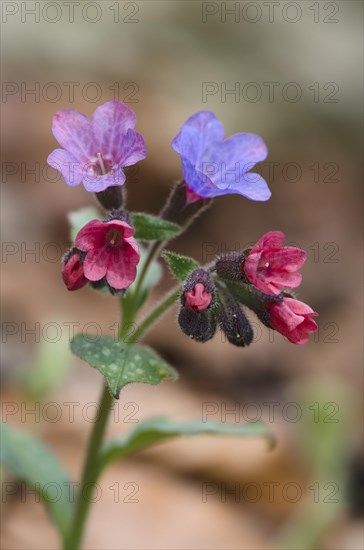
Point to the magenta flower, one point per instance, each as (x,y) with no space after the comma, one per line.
(95,152)
(292,318)
(198,298)
(213,166)
(72,271)
(272,267)
(111,252)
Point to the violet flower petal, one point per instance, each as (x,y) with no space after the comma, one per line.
(67,164)
(110,123)
(72,130)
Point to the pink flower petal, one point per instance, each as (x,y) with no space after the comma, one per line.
(121,271)
(91,236)
(115,257)
(288,258)
(67,164)
(132,149)
(298,336)
(270,287)
(95,264)
(110,123)
(272,239)
(292,318)
(271,267)
(300,308)
(72,130)
(198,298)
(132,242)
(283,318)
(301,334)
(120,225)
(284,280)
(251,264)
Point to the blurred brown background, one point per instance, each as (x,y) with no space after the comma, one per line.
(291,72)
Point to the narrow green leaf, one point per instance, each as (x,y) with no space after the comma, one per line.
(79,218)
(156,430)
(152,228)
(121,363)
(180,266)
(33,462)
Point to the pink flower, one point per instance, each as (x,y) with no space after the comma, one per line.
(112,252)
(292,318)
(272,267)
(96,151)
(198,298)
(72,271)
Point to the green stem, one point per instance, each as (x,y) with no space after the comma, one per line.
(157,312)
(89,475)
(127,315)
(152,253)
(90,472)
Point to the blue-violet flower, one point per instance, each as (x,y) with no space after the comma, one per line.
(213,166)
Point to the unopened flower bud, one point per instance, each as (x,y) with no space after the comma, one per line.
(293,319)
(254,299)
(234,323)
(198,326)
(198,290)
(72,270)
(230,266)
(197,315)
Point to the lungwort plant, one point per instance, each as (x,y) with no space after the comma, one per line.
(117,253)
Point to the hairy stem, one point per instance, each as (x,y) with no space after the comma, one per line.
(156,313)
(89,475)
(153,251)
(90,472)
(176,210)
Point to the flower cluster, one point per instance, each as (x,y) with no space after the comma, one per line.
(96,151)
(106,254)
(257,278)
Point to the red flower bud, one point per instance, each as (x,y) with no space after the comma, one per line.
(72,271)
(198,298)
(292,318)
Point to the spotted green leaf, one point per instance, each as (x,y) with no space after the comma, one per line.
(122,363)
